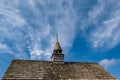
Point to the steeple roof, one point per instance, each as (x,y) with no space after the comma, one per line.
(57,45)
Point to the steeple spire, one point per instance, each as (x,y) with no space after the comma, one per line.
(57,56)
(56,37)
(57,45)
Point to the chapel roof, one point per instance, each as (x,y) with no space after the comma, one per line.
(46,70)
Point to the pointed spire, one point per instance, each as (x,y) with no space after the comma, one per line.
(57,45)
(56,37)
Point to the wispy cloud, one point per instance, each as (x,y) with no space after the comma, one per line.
(28,27)
(107,34)
(4,48)
(106,63)
(103,22)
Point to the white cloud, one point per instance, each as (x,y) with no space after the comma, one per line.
(30,26)
(5,49)
(10,15)
(25,24)
(36,53)
(107,35)
(108,63)
(104,18)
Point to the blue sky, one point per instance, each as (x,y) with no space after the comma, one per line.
(89,31)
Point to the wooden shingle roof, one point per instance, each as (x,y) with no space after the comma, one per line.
(46,70)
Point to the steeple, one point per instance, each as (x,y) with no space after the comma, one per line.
(57,56)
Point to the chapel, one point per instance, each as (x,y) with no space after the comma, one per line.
(56,69)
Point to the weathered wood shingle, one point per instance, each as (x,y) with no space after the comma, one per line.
(46,70)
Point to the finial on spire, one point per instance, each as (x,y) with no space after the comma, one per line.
(57,37)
